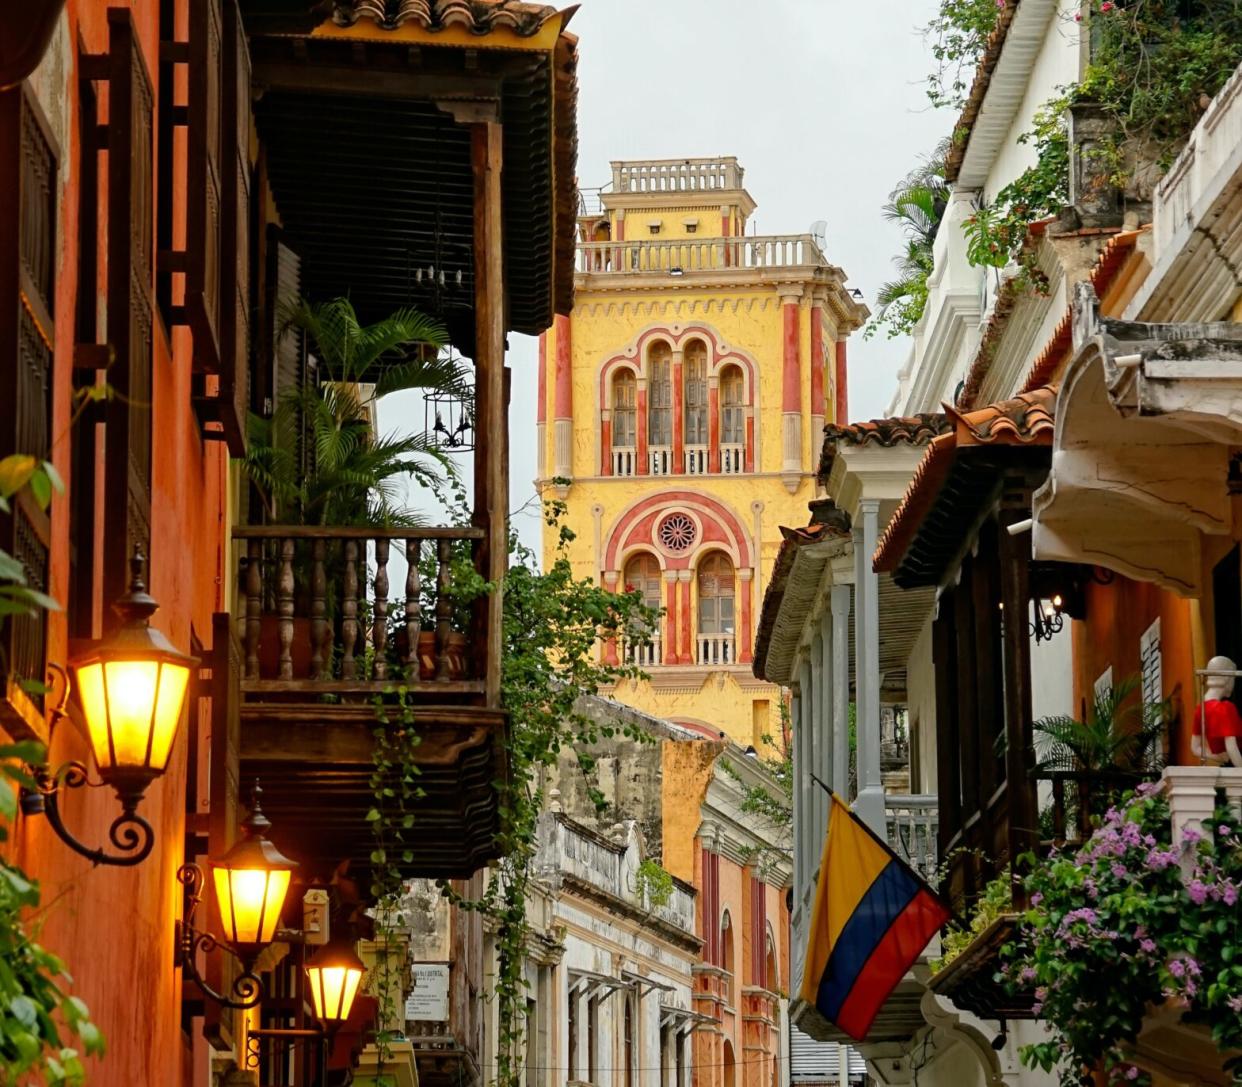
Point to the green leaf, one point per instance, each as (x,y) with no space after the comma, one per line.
(15,472)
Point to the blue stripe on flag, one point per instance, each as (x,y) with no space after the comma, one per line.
(889,894)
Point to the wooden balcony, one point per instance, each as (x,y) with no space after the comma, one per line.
(336,627)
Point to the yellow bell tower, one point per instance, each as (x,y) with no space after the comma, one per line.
(681,414)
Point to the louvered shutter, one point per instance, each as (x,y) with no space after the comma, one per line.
(234,392)
(28,165)
(206,148)
(291,366)
(130,303)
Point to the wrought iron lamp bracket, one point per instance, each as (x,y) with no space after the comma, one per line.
(129,833)
(247,990)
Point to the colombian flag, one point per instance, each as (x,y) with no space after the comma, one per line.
(873,917)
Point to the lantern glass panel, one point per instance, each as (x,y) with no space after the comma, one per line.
(250,901)
(333,989)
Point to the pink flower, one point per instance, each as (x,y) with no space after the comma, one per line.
(1147,946)
(1078,16)
(1131,1072)
(1198,891)
(1229,893)
(1106,6)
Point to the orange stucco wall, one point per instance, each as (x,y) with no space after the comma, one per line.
(114,926)
(1117,616)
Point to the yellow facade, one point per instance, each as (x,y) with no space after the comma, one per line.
(676,304)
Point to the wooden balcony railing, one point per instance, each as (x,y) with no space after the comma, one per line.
(1080,798)
(340,610)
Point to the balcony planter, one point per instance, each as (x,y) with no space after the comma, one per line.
(971,980)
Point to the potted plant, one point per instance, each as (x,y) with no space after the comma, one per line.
(318,461)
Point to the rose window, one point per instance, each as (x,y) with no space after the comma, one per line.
(677,533)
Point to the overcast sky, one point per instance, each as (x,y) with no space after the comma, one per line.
(822,102)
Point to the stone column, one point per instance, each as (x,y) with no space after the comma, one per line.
(640,423)
(670,617)
(563,419)
(839,608)
(870,802)
(800,798)
(791,389)
(605,441)
(818,411)
(611,577)
(812,839)
(819,738)
(745,582)
(828,753)
(687,653)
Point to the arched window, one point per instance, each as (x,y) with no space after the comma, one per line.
(726,954)
(732,420)
(660,407)
(716,625)
(694,377)
(624,423)
(642,575)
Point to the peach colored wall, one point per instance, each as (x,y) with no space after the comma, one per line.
(114,926)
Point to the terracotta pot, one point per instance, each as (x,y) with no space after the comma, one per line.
(269,647)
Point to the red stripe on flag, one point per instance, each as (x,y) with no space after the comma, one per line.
(894,955)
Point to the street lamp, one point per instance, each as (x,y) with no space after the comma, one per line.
(251,881)
(334,975)
(132,688)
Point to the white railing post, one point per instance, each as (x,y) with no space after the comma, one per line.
(660,461)
(716,649)
(624,462)
(732,458)
(1192,794)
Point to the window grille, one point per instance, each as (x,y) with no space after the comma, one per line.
(660,397)
(695,382)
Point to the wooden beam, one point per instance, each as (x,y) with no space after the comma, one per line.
(1015,558)
(370,82)
(340,744)
(491,464)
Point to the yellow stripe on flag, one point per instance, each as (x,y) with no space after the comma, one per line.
(850,863)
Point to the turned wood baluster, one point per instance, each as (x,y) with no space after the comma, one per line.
(319,621)
(444,607)
(254,605)
(284,609)
(413,549)
(379,627)
(349,612)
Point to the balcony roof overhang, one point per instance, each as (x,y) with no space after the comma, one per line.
(1148,418)
(964,473)
(365,119)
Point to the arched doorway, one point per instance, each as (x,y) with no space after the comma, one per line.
(730,1068)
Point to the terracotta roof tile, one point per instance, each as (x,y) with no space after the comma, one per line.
(885,433)
(474,16)
(978,92)
(1027,419)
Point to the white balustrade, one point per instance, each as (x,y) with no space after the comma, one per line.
(913,830)
(660,460)
(696,460)
(679,256)
(677,175)
(716,649)
(732,459)
(643,652)
(625,462)
(1194,792)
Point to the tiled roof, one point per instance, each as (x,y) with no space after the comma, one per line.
(885,433)
(978,91)
(792,540)
(474,16)
(1027,419)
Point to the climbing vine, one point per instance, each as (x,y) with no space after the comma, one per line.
(957,37)
(37,1010)
(652,884)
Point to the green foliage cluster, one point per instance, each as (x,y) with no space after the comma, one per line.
(916,205)
(1155,65)
(957,37)
(653,884)
(37,1011)
(1118,734)
(317,461)
(995,902)
(1117,926)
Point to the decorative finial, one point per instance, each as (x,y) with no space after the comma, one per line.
(256,822)
(136,606)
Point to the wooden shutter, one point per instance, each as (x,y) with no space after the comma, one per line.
(291,366)
(28,165)
(130,303)
(234,393)
(205,147)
